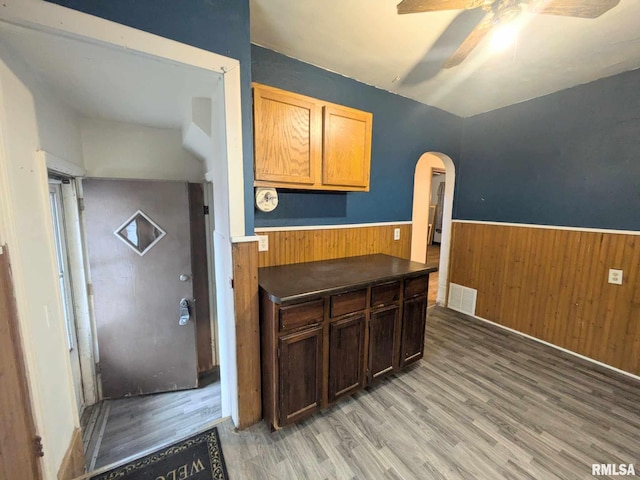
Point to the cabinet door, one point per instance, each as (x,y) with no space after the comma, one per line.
(383,326)
(287,134)
(347,147)
(300,370)
(413,323)
(346,356)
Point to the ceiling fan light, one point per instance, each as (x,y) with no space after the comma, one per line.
(503,36)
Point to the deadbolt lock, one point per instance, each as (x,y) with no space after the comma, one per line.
(185,312)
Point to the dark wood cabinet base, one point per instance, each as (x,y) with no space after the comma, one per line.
(331,328)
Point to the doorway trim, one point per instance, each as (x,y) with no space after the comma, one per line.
(78,268)
(428,162)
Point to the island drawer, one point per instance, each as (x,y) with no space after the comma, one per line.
(416,286)
(348,302)
(385,294)
(301,314)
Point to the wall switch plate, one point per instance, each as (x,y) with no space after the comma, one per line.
(615,276)
(396,234)
(263,243)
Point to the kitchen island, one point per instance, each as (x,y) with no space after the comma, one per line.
(333,327)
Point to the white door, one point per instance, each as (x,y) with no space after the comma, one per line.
(64,277)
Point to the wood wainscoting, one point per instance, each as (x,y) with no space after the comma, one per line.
(551,283)
(245,294)
(73,462)
(307,245)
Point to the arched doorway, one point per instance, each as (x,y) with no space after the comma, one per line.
(425,167)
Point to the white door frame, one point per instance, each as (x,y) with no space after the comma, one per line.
(59,208)
(225,170)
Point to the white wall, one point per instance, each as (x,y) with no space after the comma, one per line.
(31,119)
(124,150)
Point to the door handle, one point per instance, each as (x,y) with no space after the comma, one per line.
(185,312)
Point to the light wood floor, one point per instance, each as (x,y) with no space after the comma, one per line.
(114,430)
(484,403)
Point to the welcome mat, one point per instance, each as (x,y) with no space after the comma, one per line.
(196,458)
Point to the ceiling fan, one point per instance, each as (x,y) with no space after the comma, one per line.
(501,12)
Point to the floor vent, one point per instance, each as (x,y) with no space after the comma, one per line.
(462,299)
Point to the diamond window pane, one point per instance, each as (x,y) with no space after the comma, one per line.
(140,233)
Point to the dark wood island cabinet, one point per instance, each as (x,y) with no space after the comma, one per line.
(330,328)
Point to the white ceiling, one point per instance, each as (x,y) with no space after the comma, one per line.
(368,41)
(112,84)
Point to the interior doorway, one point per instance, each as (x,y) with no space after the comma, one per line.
(120,123)
(146,246)
(434,182)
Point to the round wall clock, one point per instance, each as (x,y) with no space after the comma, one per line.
(266,199)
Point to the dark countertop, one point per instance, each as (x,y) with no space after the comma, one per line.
(302,281)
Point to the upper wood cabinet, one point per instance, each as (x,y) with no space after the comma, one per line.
(304,143)
(287,129)
(346,153)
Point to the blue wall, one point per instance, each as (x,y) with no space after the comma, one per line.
(402,131)
(571,158)
(220,26)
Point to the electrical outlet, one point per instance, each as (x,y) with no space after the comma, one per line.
(263,243)
(396,234)
(615,276)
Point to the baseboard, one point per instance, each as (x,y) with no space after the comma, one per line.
(72,465)
(588,359)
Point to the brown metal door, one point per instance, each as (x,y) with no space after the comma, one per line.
(138,237)
(17,431)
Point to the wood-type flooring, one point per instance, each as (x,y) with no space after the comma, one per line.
(115,430)
(484,403)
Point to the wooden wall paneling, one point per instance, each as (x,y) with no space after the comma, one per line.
(200,276)
(17,427)
(297,246)
(245,292)
(620,306)
(631,350)
(561,298)
(591,246)
(552,284)
(73,463)
(606,249)
(550,274)
(572,330)
(603,311)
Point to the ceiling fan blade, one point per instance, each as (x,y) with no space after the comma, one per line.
(573,8)
(471,42)
(418,6)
